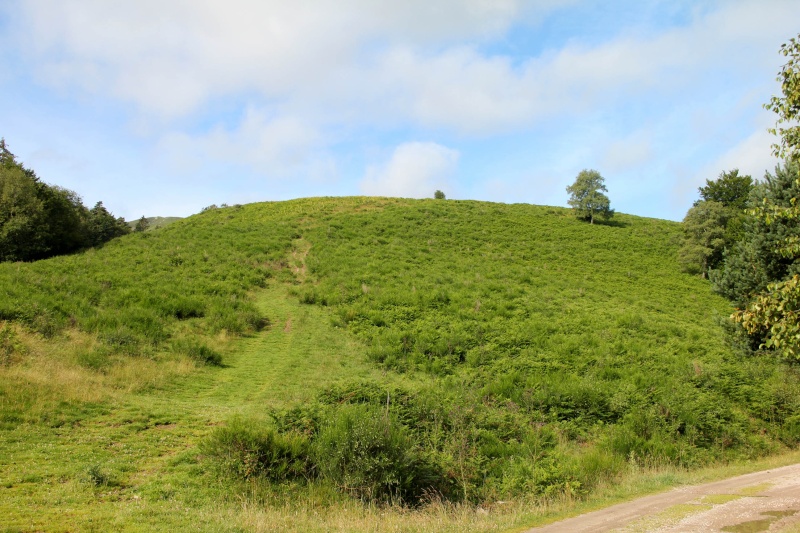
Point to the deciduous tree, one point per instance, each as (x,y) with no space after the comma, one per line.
(787,106)
(703,236)
(730,189)
(774,315)
(587,198)
(38,220)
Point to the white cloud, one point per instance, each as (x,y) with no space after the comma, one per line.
(415,170)
(273,146)
(169,58)
(751,154)
(372,61)
(629,152)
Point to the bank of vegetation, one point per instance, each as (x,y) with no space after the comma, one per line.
(520,352)
(363,353)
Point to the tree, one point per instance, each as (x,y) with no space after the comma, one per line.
(703,236)
(771,315)
(787,106)
(587,198)
(21,216)
(142,225)
(65,222)
(730,189)
(439,195)
(753,261)
(774,315)
(103,226)
(38,220)
(715,222)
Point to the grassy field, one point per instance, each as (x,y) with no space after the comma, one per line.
(527,360)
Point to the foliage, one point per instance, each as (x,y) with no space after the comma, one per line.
(772,315)
(102,226)
(141,289)
(249,450)
(369,454)
(730,189)
(733,191)
(439,195)
(775,316)
(21,214)
(515,324)
(507,368)
(703,237)
(787,107)
(587,198)
(141,225)
(39,220)
(755,261)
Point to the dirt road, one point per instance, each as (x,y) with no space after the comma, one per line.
(752,503)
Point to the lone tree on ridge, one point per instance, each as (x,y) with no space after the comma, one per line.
(586,196)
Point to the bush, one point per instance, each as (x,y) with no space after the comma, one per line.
(197,351)
(247,450)
(365,452)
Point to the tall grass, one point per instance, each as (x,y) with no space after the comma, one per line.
(133,293)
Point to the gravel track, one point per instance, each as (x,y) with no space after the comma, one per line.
(751,503)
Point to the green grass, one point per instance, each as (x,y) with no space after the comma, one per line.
(145,443)
(530,358)
(155,222)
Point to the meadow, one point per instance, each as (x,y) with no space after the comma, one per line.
(369,364)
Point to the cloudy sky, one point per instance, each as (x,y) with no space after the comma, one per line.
(162,107)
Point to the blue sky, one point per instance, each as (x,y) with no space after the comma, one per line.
(165,107)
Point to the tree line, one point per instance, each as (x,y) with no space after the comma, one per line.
(743,235)
(38,220)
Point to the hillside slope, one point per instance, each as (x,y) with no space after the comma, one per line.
(514,351)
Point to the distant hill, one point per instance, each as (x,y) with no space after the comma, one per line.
(155,222)
(477,351)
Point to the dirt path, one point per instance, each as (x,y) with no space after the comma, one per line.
(752,503)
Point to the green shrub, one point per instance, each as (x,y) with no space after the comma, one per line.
(197,351)
(304,419)
(365,452)
(248,449)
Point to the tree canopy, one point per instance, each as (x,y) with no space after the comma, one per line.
(704,236)
(730,189)
(141,225)
(787,106)
(587,198)
(38,220)
(773,314)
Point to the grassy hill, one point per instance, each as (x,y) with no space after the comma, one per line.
(154,223)
(224,371)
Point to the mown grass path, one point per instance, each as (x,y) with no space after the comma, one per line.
(146,444)
(299,347)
